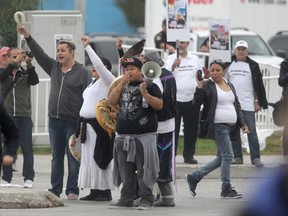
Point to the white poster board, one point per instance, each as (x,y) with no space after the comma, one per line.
(219,39)
(177,20)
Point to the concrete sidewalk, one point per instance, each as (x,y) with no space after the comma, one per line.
(207,202)
(42,167)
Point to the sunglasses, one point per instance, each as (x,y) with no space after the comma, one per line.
(217,61)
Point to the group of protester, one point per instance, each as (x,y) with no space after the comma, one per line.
(144,144)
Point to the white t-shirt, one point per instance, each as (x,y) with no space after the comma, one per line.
(225,110)
(185,75)
(239,75)
(168,125)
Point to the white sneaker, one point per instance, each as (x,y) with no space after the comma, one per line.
(28,184)
(5,183)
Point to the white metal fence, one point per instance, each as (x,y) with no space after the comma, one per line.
(40,94)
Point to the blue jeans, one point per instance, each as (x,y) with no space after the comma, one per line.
(249,117)
(60,132)
(25,142)
(224,156)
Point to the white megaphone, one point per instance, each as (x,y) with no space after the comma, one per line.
(150,70)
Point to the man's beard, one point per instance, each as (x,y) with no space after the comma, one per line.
(182,51)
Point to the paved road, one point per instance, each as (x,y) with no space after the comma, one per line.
(207,202)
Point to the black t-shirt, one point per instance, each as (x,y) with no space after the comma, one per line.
(132,117)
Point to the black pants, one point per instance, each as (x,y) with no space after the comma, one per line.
(190,114)
(165,149)
(1,152)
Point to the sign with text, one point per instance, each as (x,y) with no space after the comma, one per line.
(177,20)
(219,40)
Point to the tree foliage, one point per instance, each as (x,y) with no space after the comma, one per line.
(7,23)
(134,11)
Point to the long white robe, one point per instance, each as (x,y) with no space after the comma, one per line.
(90,175)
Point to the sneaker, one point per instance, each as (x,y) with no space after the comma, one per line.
(5,183)
(72,196)
(230,193)
(237,160)
(145,206)
(28,184)
(120,205)
(192,183)
(257,162)
(137,202)
(165,202)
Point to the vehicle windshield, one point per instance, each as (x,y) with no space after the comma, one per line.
(256,45)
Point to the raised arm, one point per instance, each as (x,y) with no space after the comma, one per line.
(103,72)
(41,57)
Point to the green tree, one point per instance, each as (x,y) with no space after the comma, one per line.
(7,23)
(134,11)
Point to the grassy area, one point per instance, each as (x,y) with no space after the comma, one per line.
(205,147)
(208,147)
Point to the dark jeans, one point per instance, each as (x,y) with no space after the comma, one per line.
(285,141)
(25,138)
(165,150)
(249,117)
(190,114)
(130,177)
(60,132)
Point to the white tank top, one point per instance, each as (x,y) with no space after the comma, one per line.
(225,110)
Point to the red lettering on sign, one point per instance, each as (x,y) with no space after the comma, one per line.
(201,1)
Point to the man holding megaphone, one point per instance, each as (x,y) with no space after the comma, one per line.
(135,141)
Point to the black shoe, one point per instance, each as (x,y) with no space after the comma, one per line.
(94,193)
(190,160)
(90,197)
(104,195)
(230,193)
(192,183)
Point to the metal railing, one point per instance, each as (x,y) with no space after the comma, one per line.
(40,97)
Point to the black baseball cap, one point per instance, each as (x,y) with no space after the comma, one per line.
(132,61)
